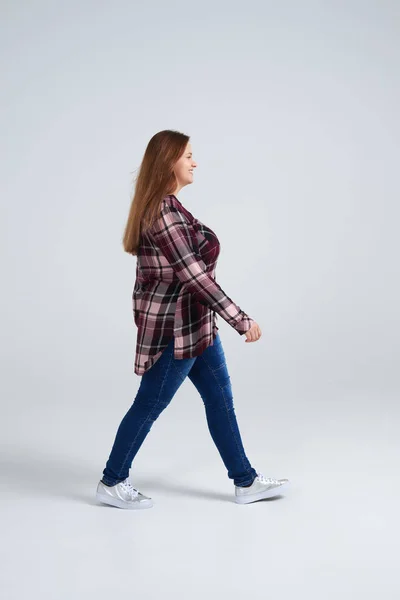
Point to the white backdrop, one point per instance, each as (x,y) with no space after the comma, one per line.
(292,109)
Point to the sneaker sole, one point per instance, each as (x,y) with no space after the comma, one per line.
(121,504)
(260,495)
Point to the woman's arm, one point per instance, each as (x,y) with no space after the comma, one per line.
(172,235)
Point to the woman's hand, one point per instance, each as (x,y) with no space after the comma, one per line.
(253,334)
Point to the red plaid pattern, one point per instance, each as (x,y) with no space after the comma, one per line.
(175,292)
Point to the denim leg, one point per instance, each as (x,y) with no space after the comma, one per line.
(157,388)
(210,376)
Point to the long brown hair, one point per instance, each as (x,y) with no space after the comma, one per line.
(156,179)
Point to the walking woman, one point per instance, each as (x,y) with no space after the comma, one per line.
(176,300)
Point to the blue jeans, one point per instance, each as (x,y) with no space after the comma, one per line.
(209,374)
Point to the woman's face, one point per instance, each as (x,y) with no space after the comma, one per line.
(184,167)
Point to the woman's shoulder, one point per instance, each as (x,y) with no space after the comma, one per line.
(173,204)
(171,200)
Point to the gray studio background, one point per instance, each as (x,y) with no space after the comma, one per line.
(292,109)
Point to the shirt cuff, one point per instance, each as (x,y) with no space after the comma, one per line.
(244,323)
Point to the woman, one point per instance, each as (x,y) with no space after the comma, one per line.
(176,300)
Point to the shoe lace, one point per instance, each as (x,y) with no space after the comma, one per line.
(126,484)
(266,479)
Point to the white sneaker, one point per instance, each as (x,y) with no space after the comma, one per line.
(262,487)
(122,495)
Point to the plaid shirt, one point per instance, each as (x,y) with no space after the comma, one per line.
(175,292)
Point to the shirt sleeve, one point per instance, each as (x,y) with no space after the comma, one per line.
(172,234)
